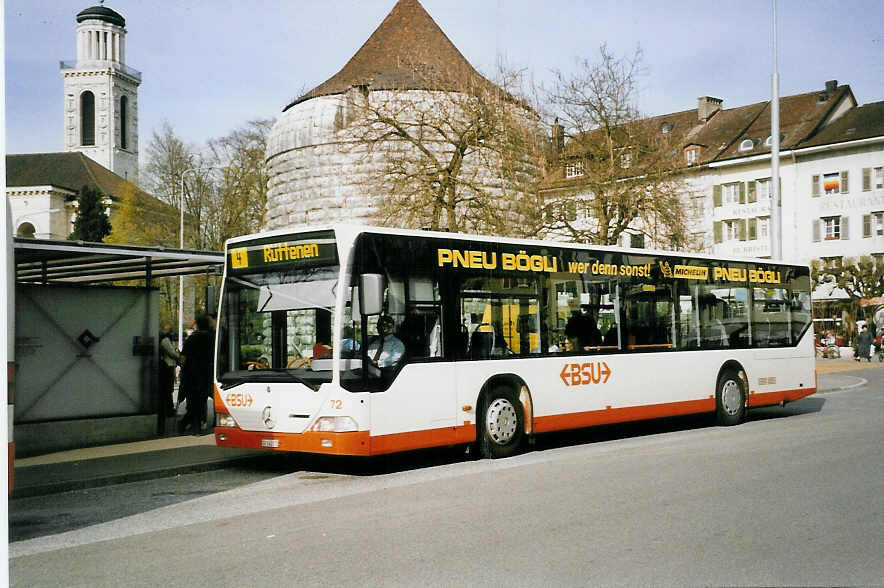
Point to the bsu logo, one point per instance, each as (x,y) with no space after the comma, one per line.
(582,374)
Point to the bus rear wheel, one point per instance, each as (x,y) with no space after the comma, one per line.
(730,398)
(502,424)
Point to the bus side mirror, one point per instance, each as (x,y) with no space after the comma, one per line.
(371,294)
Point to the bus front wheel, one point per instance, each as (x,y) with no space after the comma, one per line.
(730,398)
(502,424)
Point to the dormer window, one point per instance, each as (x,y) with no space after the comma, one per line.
(625,160)
(666,127)
(573,169)
(691,155)
(769,140)
(747,145)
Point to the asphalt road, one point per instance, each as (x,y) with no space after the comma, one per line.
(791,497)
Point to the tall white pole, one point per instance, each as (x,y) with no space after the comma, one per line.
(181,246)
(776,211)
(181,278)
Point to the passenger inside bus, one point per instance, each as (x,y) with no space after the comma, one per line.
(610,339)
(349,344)
(582,329)
(487,341)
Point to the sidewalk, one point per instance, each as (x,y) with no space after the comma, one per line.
(125,462)
(846,364)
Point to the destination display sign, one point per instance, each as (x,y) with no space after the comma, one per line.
(289,251)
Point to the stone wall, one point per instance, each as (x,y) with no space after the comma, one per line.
(318,174)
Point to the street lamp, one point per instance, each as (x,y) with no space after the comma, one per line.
(181,246)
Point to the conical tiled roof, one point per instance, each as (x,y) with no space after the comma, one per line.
(408,51)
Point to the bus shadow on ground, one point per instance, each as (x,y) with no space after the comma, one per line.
(320,465)
(804,406)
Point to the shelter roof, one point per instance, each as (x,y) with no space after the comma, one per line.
(42,261)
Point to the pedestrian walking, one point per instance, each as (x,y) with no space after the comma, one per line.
(196,374)
(864,344)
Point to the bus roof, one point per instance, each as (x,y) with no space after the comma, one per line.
(352,230)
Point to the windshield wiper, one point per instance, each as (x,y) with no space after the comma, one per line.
(269,375)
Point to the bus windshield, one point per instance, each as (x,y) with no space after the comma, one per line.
(276,321)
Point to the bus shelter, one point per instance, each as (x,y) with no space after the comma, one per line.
(86,347)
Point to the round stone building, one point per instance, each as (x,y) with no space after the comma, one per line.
(321,167)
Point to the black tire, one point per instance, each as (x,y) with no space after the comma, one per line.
(501,424)
(730,398)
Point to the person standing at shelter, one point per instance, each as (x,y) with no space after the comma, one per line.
(196,370)
(168,362)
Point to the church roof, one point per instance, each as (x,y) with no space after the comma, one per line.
(71,171)
(408,51)
(101,13)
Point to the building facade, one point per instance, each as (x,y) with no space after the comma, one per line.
(101,94)
(831,178)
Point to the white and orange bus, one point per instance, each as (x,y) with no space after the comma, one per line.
(488,341)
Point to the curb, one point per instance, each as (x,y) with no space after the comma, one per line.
(862,382)
(29,491)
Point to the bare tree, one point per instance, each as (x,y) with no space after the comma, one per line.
(224,186)
(621,172)
(240,187)
(224,190)
(466,158)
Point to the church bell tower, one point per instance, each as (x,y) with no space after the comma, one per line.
(101,94)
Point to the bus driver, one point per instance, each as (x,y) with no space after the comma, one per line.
(386,350)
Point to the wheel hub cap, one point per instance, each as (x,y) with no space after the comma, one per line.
(501,421)
(730,397)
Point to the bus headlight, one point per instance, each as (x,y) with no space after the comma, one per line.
(335,424)
(224,420)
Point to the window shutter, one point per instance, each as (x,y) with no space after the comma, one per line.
(816,230)
(867,179)
(716,230)
(716,195)
(867,225)
(742,229)
(752,196)
(742,192)
(814,186)
(844,189)
(844,234)
(753,229)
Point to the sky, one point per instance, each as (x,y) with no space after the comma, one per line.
(209,66)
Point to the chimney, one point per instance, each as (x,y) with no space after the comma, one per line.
(831,86)
(707,106)
(558,137)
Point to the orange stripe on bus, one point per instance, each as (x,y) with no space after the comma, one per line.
(355,443)
(608,416)
(392,443)
(769,398)
(216,399)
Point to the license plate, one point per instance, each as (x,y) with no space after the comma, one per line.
(273,443)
